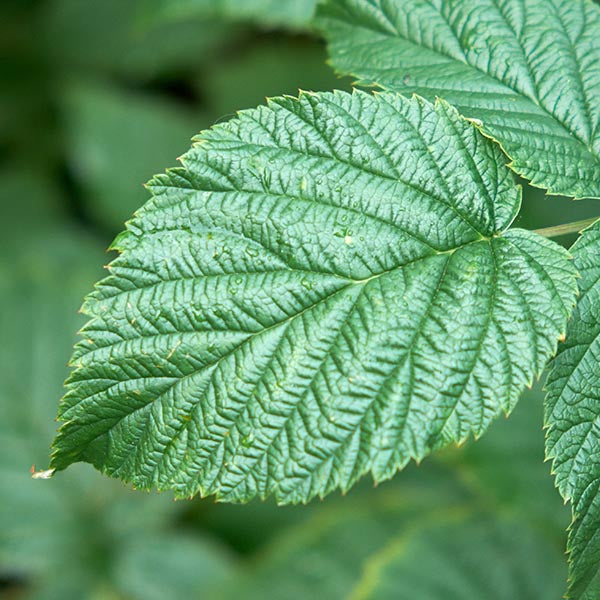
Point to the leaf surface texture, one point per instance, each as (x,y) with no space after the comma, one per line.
(573,420)
(528,70)
(327,287)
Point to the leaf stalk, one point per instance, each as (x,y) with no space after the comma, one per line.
(566,228)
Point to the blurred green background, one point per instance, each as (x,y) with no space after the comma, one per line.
(96,97)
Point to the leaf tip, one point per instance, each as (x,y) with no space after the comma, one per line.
(43,474)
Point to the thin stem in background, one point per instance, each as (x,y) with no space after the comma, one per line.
(566,228)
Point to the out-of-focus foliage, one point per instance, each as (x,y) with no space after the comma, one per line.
(140,133)
(87,86)
(507,467)
(119,38)
(293,13)
(427,537)
(269,66)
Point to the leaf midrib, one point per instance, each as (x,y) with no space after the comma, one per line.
(214,365)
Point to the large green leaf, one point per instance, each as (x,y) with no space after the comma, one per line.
(573,418)
(526,69)
(326,288)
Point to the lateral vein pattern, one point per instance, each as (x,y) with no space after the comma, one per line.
(527,70)
(327,287)
(572,416)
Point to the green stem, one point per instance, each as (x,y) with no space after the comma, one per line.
(565,229)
